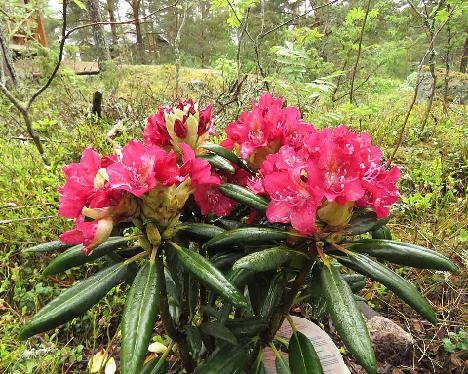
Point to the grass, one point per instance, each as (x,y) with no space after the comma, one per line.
(432,212)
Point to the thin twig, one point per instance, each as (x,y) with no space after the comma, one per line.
(361,36)
(8,221)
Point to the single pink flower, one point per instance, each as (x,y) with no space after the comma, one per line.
(135,171)
(80,189)
(211,200)
(90,234)
(156,132)
(381,189)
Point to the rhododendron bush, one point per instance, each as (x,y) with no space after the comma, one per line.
(220,235)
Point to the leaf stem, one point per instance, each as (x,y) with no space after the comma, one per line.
(291,323)
(136,257)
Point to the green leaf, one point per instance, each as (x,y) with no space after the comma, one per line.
(246,327)
(400,286)
(75,255)
(274,293)
(403,254)
(225,359)
(364,220)
(200,232)
(247,235)
(194,341)
(268,259)
(282,365)
(155,366)
(302,356)
(244,196)
(74,301)
(79,4)
(219,331)
(47,247)
(219,163)
(223,152)
(207,274)
(138,318)
(258,367)
(347,318)
(381,233)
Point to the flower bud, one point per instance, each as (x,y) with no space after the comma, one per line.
(153,234)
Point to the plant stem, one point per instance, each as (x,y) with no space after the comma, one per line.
(136,257)
(166,318)
(283,310)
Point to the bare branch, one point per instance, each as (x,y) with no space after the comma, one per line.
(273,29)
(361,36)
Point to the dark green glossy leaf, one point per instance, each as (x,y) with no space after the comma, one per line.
(74,301)
(347,318)
(400,286)
(138,318)
(208,275)
(302,356)
(403,254)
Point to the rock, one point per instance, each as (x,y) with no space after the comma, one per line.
(457,90)
(196,85)
(392,344)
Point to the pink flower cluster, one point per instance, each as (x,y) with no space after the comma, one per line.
(309,169)
(185,122)
(313,178)
(100,192)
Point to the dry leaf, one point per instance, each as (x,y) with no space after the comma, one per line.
(97,361)
(111,367)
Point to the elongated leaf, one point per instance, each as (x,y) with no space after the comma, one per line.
(219,163)
(219,331)
(47,247)
(207,274)
(223,152)
(382,233)
(258,367)
(403,254)
(268,259)
(155,366)
(244,196)
(194,341)
(75,256)
(274,293)
(404,289)
(138,319)
(74,301)
(199,231)
(246,327)
(226,359)
(282,365)
(347,318)
(247,235)
(364,220)
(302,356)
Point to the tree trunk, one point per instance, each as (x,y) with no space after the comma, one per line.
(464,59)
(447,64)
(98,34)
(110,10)
(7,70)
(176,46)
(136,15)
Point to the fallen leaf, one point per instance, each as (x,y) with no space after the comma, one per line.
(157,348)
(111,367)
(97,361)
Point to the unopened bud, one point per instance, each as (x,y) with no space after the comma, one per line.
(153,234)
